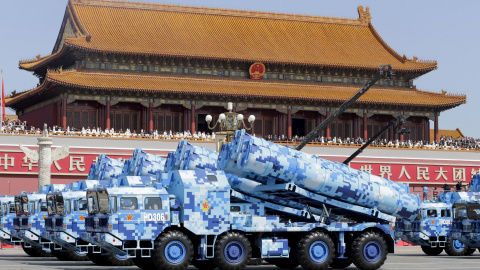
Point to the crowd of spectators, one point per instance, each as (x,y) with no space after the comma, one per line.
(14,125)
(447,143)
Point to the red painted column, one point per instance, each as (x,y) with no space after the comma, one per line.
(435,127)
(150,117)
(365,131)
(402,136)
(107,115)
(192,111)
(64,113)
(289,124)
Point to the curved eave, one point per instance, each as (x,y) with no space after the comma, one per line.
(257,89)
(428,66)
(11,102)
(35,64)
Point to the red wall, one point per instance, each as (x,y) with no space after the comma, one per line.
(37,118)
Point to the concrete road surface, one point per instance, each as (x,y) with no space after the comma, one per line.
(410,258)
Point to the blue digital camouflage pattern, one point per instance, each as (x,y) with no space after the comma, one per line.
(29,225)
(190,157)
(268,190)
(205,197)
(431,227)
(105,168)
(64,231)
(475,183)
(466,223)
(266,160)
(273,248)
(7,213)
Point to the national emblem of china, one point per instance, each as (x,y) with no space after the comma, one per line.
(257,70)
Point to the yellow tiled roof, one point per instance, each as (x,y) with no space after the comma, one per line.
(448,133)
(158,29)
(246,87)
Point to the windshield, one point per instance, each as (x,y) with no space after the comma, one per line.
(81,205)
(460,211)
(55,205)
(51,204)
(473,211)
(419,216)
(97,202)
(3,210)
(21,205)
(103,202)
(92,202)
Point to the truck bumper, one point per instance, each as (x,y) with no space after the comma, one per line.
(105,242)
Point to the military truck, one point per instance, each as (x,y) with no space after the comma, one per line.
(264,201)
(466,218)
(31,211)
(7,213)
(431,229)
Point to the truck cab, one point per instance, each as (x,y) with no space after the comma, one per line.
(66,220)
(7,213)
(466,222)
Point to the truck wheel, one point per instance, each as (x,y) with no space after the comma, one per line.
(469,251)
(432,251)
(315,251)
(29,251)
(369,251)
(204,264)
(69,255)
(144,263)
(284,263)
(96,258)
(232,251)
(455,247)
(340,263)
(173,251)
(115,260)
(255,261)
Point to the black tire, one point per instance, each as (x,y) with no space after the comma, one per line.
(284,263)
(144,263)
(469,251)
(369,251)
(178,247)
(29,251)
(255,261)
(232,251)
(315,251)
(432,251)
(455,247)
(96,258)
(69,255)
(340,263)
(204,264)
(113,260)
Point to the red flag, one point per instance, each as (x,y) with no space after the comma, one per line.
(3,100)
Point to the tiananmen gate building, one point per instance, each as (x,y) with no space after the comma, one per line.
(164,67)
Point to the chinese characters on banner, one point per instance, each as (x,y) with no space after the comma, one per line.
(75,163)
(17,162)
(420,173)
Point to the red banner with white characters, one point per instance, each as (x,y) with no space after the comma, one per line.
(421,173)
(77,163)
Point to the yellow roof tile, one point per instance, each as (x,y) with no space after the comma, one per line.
(455,134)
(158,29)
(250,88)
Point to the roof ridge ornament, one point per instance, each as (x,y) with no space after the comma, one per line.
(364,15)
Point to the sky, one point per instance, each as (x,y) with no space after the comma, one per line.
(441,30)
